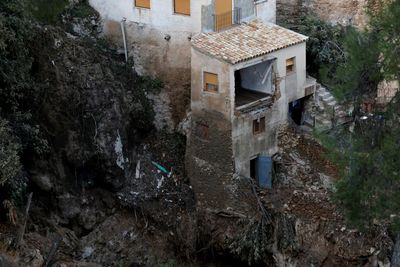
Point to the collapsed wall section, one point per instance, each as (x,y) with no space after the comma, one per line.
(209,161)
(210,166)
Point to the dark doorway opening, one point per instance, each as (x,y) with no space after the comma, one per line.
(296,109)
(253,167)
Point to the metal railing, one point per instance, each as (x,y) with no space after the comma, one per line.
(226,20)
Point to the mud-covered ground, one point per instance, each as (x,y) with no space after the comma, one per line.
(302,193)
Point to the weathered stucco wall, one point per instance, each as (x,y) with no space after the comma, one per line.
(266,10)
(201,100)
(335,11)
(159,40)
(168,60)
(246,145)
(161,15)
(148,30)
(294,83)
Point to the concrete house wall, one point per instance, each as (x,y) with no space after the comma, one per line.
(246,145)
(266,10)
(158,39)
(147,29)
(201,100)
(209,161)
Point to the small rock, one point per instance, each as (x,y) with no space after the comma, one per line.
(69,206)
(87,252)
(43,181)
(326,181)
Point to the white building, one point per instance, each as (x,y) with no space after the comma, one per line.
(159,31)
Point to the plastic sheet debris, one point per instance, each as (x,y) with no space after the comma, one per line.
(161,168)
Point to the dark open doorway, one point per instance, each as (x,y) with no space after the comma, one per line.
(299,110)
(296,111)
(253,166)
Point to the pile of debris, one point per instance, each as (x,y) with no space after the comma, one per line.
(304,181)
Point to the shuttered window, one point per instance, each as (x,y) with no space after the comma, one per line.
(290,65)
(210,82)
(182,7)
(259,125)
(142,3)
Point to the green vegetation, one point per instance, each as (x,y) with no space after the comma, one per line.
(47,11)
(369,189)
(18,93)
(9,159)
(150,84)
(81,10)
(360,73)
(324,46)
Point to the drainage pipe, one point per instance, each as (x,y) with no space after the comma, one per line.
(124,38)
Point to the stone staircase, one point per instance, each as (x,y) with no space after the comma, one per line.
(325,112)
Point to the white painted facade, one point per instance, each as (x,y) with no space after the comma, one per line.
(159,39)
(266,10)
(162,16)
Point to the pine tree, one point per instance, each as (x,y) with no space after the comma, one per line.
(369,191)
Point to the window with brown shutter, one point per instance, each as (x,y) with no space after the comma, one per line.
(142,3)
(259,125)
(182,7)
(210,81)
(290,65)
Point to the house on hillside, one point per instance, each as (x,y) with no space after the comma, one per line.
(246,82)
(247,79)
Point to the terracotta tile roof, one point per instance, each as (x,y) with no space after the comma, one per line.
(246,41)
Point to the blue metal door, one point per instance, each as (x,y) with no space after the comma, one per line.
(264,171)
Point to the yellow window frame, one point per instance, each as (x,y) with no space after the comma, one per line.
(142,3)
(290,65)
(182,7)
(210,82)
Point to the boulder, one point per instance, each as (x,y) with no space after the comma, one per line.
(43,181)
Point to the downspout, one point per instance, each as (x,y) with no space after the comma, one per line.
(124,38)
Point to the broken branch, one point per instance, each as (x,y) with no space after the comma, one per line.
(23,227)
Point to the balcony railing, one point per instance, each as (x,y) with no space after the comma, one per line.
(226,20)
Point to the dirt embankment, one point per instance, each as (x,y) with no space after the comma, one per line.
(112,188)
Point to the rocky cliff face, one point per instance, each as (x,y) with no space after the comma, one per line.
(345,12)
